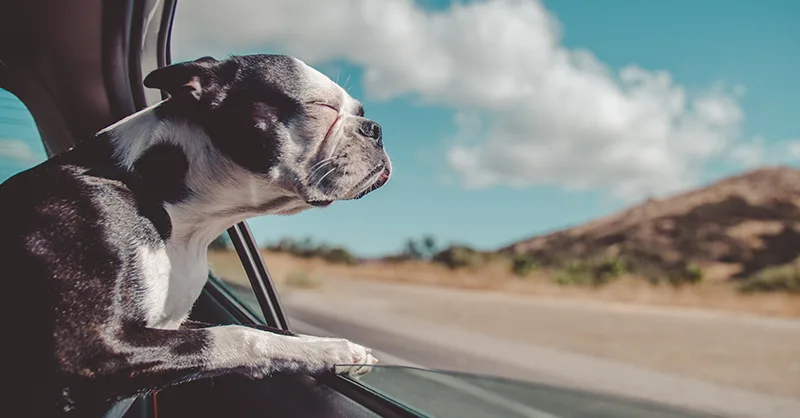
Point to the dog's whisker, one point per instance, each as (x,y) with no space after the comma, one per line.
(321,161)
(319,168)
(325,175)
(346,80)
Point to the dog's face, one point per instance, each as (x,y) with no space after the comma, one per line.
(281,121)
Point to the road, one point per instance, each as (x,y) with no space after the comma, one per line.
(730,365)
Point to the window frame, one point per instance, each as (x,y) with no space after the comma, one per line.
(258,274)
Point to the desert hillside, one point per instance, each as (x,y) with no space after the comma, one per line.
(733,228)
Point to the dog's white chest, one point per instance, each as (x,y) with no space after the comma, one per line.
(173,278)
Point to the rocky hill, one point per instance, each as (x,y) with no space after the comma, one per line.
(738,226)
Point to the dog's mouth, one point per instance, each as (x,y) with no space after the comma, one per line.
(370,183)
(320,203)
(364,187)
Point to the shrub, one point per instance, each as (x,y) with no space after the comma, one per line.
(783,278)
(340,255)
(594,273)
(308,249)
(422,249)
(523,264)
(458,256)
(285,245)
(302,279)
(575,273)
(693,273)
(608,269)
(411,250)
(688,274)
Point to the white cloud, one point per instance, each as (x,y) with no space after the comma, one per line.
(759,152)
(546,114)
(750,154)
(793,149)
(18,150)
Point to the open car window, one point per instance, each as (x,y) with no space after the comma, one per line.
(20,144)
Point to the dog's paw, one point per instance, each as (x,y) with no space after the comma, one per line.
(342,356)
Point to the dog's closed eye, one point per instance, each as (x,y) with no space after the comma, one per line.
(325,104)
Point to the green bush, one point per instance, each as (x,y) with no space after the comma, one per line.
(340,255)
(594,273)
(459,256)
(308,249)
(688,274)
(523,264)
(575,273)
(608,269)
(783,278)
(694,274)
(423,249)
(285,245)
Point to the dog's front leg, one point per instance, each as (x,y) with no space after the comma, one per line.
(263,353)
(191,324)
(157,358)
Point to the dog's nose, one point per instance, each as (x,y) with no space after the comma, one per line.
(370,129)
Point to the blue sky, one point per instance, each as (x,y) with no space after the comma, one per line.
(449,135)
(20,146)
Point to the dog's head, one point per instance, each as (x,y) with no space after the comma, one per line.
(282,122)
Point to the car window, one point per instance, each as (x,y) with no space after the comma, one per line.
(20,144)
(601,197)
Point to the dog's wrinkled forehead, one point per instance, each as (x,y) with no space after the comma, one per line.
(286,75)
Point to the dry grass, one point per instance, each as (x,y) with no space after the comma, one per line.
(301,279)
(496,276)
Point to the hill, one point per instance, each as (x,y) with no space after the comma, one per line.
(735,227)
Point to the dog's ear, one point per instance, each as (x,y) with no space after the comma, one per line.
(191,79)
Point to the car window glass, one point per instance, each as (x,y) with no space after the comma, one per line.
(20,144)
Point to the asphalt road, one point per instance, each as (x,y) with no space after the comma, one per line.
(725,365)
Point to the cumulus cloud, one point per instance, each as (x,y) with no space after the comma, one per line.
(19,151)
(529,110)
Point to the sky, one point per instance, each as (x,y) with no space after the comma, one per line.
(509,118)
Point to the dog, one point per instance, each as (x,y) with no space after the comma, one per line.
(105,244)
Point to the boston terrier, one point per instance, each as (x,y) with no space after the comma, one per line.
(104,245)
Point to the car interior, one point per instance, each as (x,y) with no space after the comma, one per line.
(79,67)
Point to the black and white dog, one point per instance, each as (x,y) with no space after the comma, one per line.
(104,246)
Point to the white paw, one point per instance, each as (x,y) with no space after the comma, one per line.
(342,356)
